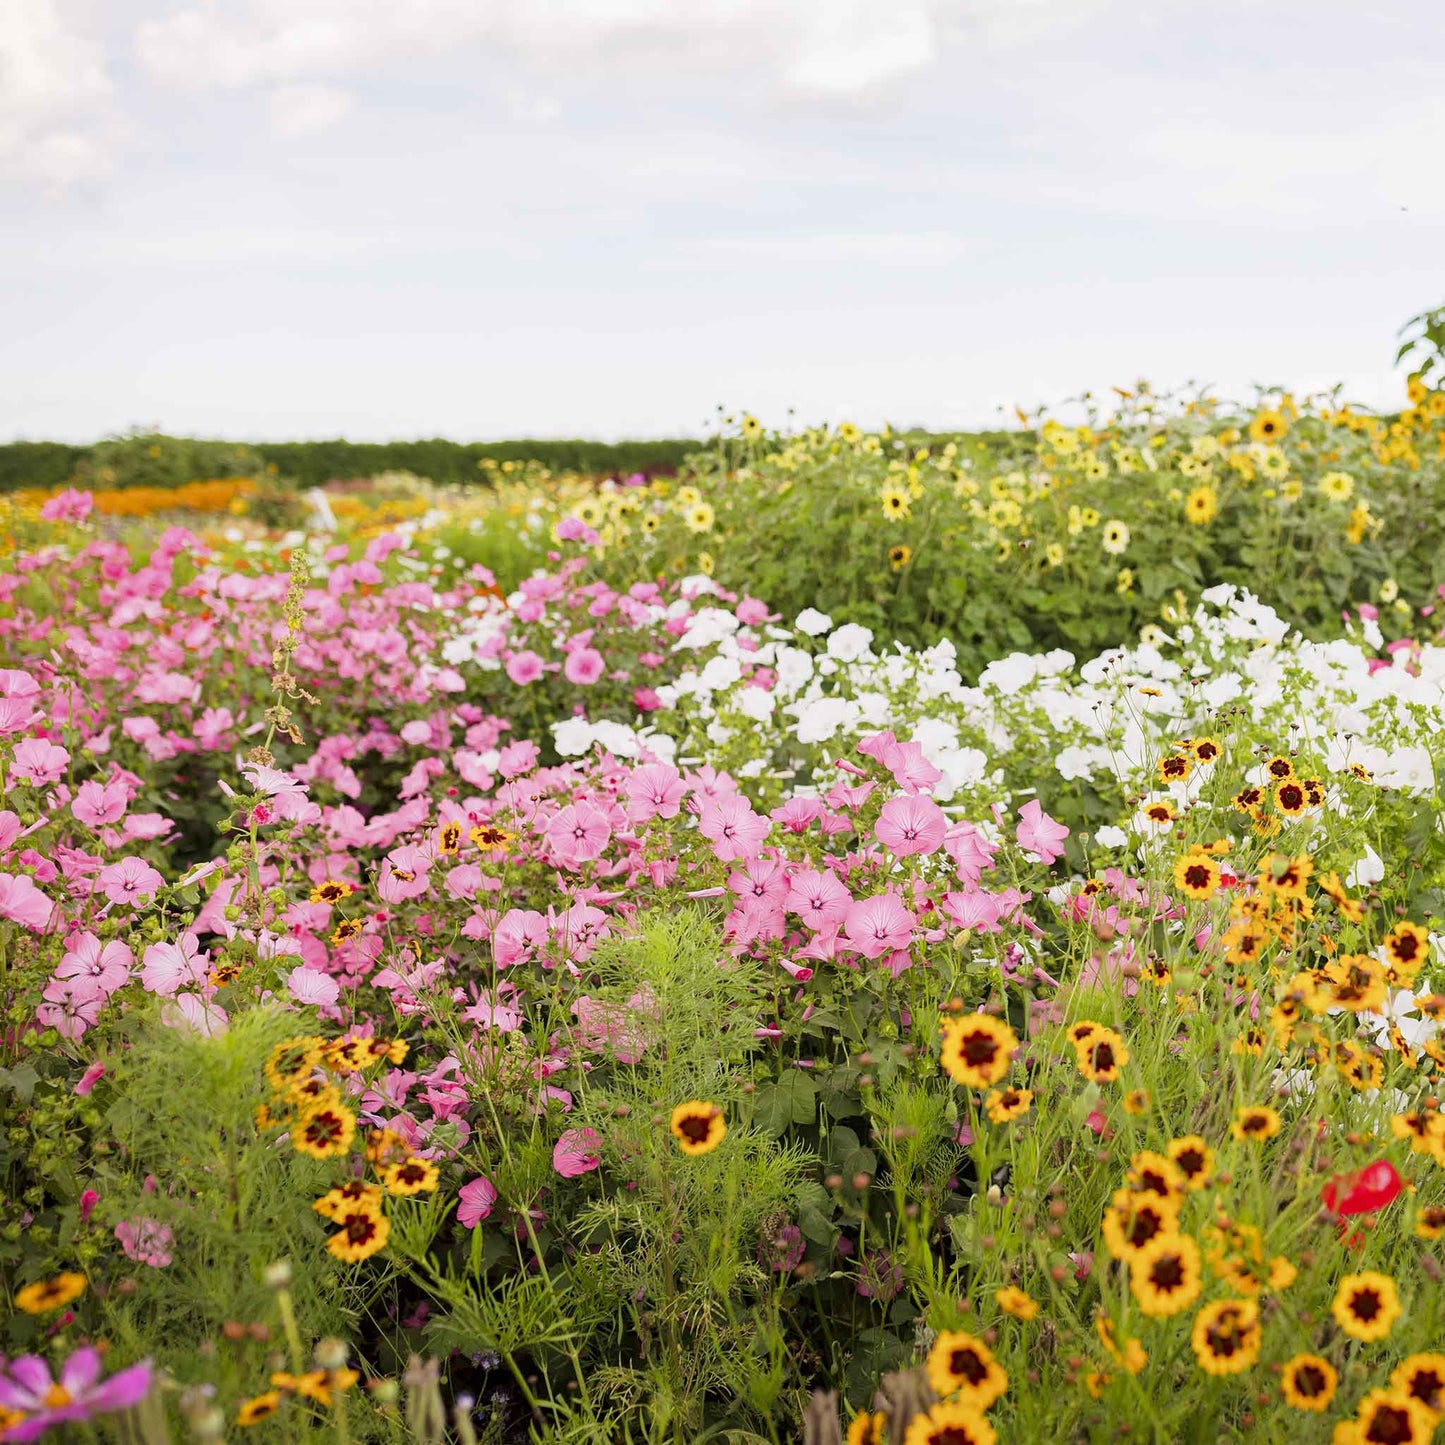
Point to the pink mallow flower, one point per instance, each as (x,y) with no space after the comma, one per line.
(578,834)
(576,1153)
(22,902)
(131,881)
(475,1201)
(735,830)
(584,666)
(878,925)
(108,965)
(39,763)
(168,967)
(524,668)
(97,804)
(1039,834)
(909,825)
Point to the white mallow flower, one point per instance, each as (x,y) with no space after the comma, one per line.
(961,768)
(1007,675)
(820,719)
(618,739)
(850,642)
(794,668)
(1369,870)
(1110,837)
(874,709)
(573,736)
(1075,762)
(709,625)
(720,674)
(718,733)
(756,703)
(1408,769)
(813,622)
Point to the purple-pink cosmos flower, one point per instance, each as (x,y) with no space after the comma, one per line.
(911,825)
(310,985)
(878,925)
(735,830)
(576,1153)
(78,1394)
(146,1241)
(474,1201)
(1039,834)
(68,506)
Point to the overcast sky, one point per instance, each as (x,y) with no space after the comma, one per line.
(490,218)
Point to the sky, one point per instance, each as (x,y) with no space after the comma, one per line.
(273,219)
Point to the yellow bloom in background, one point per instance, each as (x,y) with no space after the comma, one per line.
(1016,1302)
(1101,1056)
(895,502)
(1004,1105)
(1422,1378)
(324,1132)
(411,1176)
(705,564)
(50,1294)
(699,517)
(1226,1336)
(1366,1305)
(1387,1415)
(1166,1275)
(1255,1123)
(698,1126)
(258,1408)
(960,1366)
(1115,540)
(1268,426)
(363,1233)
(1054,554)
(899,556)
(1124,582)
(950,1424)
(869,1428)
(1201,506)
(1337,486)
(1194,1158)
(1308,1382)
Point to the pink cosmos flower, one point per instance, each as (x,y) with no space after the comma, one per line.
(911,825)
(68,506)
(584,666)
(108,964)
(39,763)
(145,1241)
(474,1201)
(1039,834)
(27,1388)
(130,881)
(22,902)
(818,898)
(168,967)
(735,830)
(878,925)
(311,986)
(524,668)
(576,1153)
(578,834)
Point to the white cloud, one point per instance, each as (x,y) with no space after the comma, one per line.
(55,128)
(300,109)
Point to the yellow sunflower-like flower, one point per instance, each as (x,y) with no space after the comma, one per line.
(258,1408)
(363,1232)
(1004,1105)
(960,1366)
(50,1294)
(1226,1336)
(1201,506)
(1308,1382)
(949,1423)
(977,1050)
(411,1176)
(325,1131)
(1166,1275)
(1366,1305)
(1102,1056)
(1422,1378)
(1016,1302)
(1255,1123)
(698,1126)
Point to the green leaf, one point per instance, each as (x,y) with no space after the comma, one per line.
(792,1100)
(22,1079)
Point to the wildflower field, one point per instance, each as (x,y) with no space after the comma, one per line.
(864,939)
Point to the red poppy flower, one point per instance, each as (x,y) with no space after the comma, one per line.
(1365,1191)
